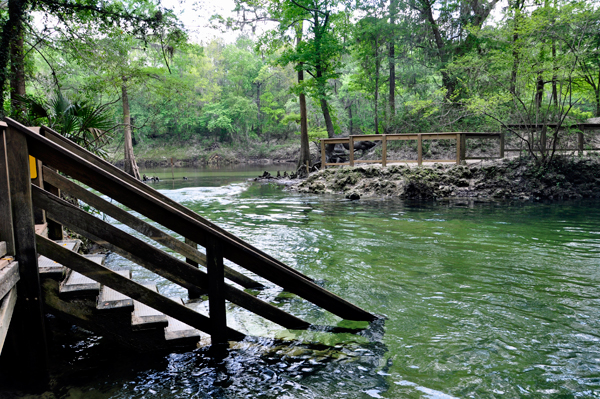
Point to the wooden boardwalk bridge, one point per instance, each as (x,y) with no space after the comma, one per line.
(41,273)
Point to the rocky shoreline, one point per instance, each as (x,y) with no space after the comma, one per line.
(514,178)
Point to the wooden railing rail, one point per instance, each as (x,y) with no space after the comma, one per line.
(460,138)
(140,226)
(134,290)
(152,258)
(113,170)
(148,205)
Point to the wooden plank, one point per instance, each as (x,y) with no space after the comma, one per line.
(323,155)
(6,311)
(152,258)
(183,223)
(144,317)
(367,137)
(343,140)
(2,248)
(419,149)
(351,150)
(130,288)
(31,346)
(384,151)
(41,229)
(64,143)
(6,222)
(110,299)
(216,292)
(142,227)
(9,276)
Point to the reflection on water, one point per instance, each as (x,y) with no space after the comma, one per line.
(482,300)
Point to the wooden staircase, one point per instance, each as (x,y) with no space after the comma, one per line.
(81,289)
(99,308)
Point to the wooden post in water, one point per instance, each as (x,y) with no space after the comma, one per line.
(27,330)
(384,151)
(172,171)
(6,224)
(419,149)
(193,293)
(351,150)
(216,292)
(323,157)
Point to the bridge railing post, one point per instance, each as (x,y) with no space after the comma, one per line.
(351,150)
(28,335)
(384,151)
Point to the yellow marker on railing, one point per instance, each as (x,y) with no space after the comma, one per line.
(33,167)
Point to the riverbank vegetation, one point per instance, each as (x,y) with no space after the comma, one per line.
(126,74)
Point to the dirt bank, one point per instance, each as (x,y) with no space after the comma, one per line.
(520,178)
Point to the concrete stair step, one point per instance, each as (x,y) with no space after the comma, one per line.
(178,332)
(77,284)
(50,268)
(146,318)
(111,299)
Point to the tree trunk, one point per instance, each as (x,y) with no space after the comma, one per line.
(515,52)
(392,62)
(350,118)
(377,86)
(129,165)
(327,117)
(17,72)
(304,144)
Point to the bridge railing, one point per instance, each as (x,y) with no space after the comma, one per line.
(460,138)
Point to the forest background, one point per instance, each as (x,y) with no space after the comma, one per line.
(127,74)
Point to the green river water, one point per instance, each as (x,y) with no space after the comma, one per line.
(481,300)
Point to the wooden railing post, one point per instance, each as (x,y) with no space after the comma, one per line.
(6,224)
(419,149)
(502,143)
(323,156)
(351,150)
(216,292)
(462,155)
(580,143)
(384,151)
(28,330)
(193,293)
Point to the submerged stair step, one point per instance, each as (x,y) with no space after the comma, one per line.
(178,331)
(144,317)
(78,284)
(111,299)
(49,267)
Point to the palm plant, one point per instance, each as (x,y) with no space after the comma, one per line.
(85,123)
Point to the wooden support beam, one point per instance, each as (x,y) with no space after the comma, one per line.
(194,257)
(419,149)
(580,143)
(152,258)
(187,225)
(384,151)
(6,223)
(55,230)
(7,307)
(502,144)
(129,287)
(193,293)
(216,292)
(351,150)
(31,351)
(323,155)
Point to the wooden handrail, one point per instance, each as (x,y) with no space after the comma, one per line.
(150,206)
(152,258)
(140,226)
(134,290)
(113,170)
